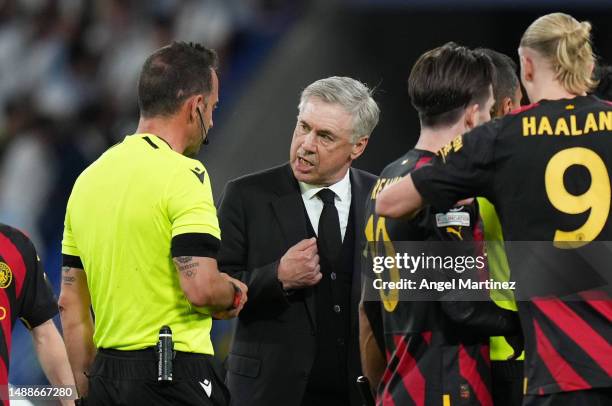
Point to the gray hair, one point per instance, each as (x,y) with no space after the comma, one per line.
(352,95)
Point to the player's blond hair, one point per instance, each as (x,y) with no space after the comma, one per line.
(566,43)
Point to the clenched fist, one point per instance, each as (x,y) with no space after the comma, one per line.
(299,267)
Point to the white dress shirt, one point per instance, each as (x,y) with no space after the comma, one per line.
(314,205)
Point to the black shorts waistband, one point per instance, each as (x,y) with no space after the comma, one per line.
(147,354)
(135,368)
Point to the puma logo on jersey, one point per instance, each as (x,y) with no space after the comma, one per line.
(453,230)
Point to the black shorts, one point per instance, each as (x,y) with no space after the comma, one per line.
(591,397)
(130,378)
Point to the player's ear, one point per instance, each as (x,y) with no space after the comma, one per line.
(359,147)
(527,69)
(470,117)
(507,106)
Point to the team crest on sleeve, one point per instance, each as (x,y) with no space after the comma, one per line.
(6,275)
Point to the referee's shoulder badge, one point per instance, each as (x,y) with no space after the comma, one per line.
(6,275)
(199,173)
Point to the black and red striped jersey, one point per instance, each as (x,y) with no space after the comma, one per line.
(25,292)
(430,359)
(547,169)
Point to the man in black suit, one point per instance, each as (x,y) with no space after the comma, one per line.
(293,234)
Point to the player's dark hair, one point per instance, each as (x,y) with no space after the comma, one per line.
(506,81)
(172,74)
(603,74)
(447,79)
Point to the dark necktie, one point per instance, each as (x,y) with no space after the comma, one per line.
(329,236)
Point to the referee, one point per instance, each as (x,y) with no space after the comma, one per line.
(140,242)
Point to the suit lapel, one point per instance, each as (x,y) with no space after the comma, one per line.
(291,216)
(289,210)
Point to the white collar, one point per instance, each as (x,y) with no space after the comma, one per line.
(341,188)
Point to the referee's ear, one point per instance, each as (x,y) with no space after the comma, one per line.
(192,105)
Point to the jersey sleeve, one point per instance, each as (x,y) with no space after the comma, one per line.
(38,303)
(68,244)
(192,213)
(70,253)
(461,169)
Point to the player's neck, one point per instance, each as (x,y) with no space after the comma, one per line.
(164,128)
(550,90)
(433,138)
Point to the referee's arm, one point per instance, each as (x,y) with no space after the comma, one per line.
(194,256)
(77,322)
(205,287)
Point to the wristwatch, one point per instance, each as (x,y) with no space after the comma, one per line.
(237,297)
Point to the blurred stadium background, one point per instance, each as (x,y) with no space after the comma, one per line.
(68,71)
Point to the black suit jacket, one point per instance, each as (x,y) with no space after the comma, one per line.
(261,216)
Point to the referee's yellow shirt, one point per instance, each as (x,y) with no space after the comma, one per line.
(122,215)
(499,269)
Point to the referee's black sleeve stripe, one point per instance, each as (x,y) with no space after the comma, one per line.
(195,245)
(72,261)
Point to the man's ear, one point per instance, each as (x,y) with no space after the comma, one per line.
(192,105)
(470,117)
(359,147)
(527,70)
(507,106)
